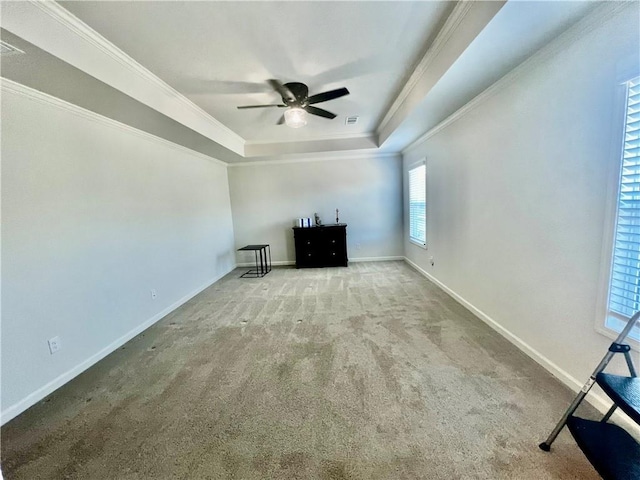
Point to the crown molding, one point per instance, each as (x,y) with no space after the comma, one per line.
(465,22)
(337,136)
(10,87)
(328,143)
(459,12)
(337,144)
(598,17)
(52,28)
(319,158)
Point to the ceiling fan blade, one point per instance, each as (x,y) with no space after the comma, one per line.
(284,92)
(281,121)
(260,106)
(320,112)
(326,96)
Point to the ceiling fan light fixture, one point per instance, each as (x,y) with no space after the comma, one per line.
(295,117)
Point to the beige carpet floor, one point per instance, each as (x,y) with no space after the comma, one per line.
(365,372)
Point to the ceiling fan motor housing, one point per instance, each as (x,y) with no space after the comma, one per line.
(300,91)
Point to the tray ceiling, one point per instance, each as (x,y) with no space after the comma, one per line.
(195,62)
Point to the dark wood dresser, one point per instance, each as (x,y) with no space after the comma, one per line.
(323,246)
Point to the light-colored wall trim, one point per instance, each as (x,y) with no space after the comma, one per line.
(333,136)
(459,12)
(34,397)
(165,96)
(466,21)
(600,15)
(286,263)
(597,400)
(316,158)
(278,263)
(533,353)
(10,86)
(376,259)
(312,145)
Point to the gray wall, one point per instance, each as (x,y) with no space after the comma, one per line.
(94,216)
(266,198)
(519,197)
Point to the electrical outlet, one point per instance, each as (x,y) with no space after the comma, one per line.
(358,246)
(154,294)
(54,345)
(431,260)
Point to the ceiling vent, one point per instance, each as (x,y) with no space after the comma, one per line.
(6,49)
(351,120)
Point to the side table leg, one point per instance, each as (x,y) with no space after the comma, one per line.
(269,264)
(261,263)
(256,256)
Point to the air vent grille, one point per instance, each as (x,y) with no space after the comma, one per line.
(6,49)
(351,120)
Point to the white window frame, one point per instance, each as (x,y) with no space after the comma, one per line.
(613,192)
(413,166)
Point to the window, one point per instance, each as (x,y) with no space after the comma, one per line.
(418,204)
(624,287)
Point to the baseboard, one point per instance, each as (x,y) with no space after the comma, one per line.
(598,401)
(375,259)
(281,263)
(278,263)
(34,397)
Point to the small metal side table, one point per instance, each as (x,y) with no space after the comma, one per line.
(263,264)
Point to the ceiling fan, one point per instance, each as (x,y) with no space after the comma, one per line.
(296,99)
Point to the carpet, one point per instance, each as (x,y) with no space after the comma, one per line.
(365,372)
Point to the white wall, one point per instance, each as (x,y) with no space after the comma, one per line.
(266,198)
(517,194)
(94,216)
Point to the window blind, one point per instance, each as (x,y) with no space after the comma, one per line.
(418,204)
(624,289)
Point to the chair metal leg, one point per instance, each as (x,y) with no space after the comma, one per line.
(609,413)
(613,349)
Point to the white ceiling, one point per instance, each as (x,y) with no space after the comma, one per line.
(220,54)
(408,65)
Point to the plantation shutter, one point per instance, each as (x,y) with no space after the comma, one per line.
(624,291)
(417,204)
